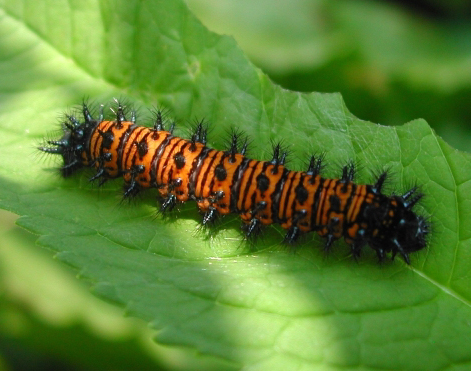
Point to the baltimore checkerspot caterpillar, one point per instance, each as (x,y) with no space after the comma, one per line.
(223,182)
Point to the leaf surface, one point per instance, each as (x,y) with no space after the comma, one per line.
(267,308)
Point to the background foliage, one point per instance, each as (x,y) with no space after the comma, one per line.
(391,63)
(204,292)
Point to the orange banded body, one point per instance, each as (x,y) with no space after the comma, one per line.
(222,182)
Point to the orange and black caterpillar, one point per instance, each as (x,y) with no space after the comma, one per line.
(222,182)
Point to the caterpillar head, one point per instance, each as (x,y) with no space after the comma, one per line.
(71,146)
(402,231)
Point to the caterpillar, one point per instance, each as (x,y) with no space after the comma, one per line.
(223,182)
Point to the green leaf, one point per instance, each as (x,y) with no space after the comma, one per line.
(47,315)
(266,309)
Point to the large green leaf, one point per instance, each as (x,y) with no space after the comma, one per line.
(46,315)
(269,308)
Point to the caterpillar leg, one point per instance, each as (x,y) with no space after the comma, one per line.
(210,216)
(294,231)
(381,254)
(292,235)
(252,225)
(168,203)
(132,188)
(330,233)
(357,245)
(252,228)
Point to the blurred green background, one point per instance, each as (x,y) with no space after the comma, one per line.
(392,61)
